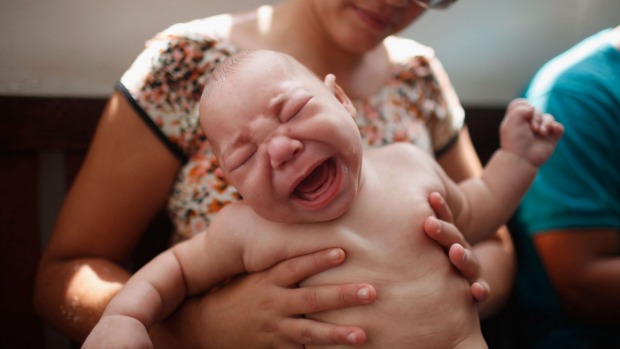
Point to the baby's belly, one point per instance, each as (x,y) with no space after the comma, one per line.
(421,300)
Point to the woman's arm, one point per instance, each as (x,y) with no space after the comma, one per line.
(104,214)
(496,255)
(584,267)
(149,296)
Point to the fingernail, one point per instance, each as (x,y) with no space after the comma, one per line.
(352,337)
(363,293)
(439,225)
(440,198)
(335,254)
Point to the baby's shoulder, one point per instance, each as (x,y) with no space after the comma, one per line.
(402,161)
(402,151)
(235,209)
(234,217)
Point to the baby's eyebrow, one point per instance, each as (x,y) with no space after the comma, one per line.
(276,103)
(292,94)
(230,148)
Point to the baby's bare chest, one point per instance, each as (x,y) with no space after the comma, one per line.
(383,232)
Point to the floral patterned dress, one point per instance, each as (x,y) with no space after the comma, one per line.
(164,84)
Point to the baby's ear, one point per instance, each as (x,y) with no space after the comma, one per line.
(330,83)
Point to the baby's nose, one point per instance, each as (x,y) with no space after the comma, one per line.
(282,149)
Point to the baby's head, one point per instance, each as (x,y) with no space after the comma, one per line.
(285,139)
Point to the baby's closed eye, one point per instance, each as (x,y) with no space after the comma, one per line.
(239,156)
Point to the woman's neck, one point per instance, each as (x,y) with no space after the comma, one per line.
(297,31)
(290,27)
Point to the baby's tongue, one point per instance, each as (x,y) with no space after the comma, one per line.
(308,189)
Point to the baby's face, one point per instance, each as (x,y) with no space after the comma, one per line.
(285,142)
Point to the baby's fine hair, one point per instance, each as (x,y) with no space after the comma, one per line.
(224,69)
(234,63)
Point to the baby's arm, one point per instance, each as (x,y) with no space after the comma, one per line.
(148,296)
(157,289)
(527,139)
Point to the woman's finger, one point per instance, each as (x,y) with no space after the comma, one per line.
(463,260)
(310,332)
(315,299)
(446,234)
(480,290)
(290,272)
(440,207)
(312,299)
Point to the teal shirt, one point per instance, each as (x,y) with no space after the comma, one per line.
(579,187)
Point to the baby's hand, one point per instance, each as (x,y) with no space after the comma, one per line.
(118,331)
(528,133)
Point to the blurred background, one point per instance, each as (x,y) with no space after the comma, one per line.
(80,48)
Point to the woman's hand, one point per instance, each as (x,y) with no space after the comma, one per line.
(265,309)
(441,229)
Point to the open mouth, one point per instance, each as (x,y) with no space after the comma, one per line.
(317,182)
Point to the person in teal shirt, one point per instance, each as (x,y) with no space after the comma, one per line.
(567,228)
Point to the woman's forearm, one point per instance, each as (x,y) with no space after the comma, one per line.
(72,295)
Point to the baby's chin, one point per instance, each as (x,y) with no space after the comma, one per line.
(297,215)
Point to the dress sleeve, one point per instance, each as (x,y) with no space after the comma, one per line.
(164,85)
(429,91)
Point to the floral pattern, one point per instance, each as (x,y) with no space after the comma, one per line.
(165,84)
